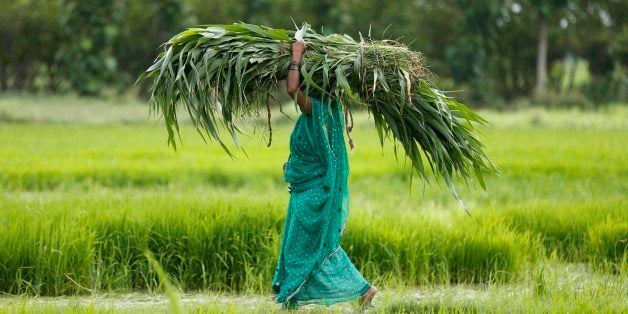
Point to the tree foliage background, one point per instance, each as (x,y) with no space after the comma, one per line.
(492,51)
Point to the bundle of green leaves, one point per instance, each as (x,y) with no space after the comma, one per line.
(220,72)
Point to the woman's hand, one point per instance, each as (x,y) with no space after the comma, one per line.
(298,48)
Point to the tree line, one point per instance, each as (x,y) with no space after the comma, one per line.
(492,50)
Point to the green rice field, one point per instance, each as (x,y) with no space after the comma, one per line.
(89,187)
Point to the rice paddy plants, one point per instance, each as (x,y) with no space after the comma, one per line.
(98,243)
(608,245)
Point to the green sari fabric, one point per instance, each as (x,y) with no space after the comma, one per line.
(312,266)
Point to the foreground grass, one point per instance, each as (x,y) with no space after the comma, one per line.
(550,287)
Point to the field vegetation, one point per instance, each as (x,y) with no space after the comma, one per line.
(86,195)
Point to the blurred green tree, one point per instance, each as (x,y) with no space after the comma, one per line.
(88,54)
(144,25)
(30,37)
(544,11)
(492,50)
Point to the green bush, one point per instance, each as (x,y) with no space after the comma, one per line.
(612,88)
(571,99)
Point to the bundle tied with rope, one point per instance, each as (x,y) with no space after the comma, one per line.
(220,72)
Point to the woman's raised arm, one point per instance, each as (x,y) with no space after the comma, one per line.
(293,80)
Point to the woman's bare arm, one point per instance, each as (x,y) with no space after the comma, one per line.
(293,80)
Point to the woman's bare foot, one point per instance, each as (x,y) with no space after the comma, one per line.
(367,297)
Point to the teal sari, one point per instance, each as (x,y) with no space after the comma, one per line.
(312,266)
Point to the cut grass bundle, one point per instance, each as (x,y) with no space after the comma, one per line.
(220,72)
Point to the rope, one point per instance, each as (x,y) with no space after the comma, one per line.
(270,128)
(348,127)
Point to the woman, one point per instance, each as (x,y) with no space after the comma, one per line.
(312,267)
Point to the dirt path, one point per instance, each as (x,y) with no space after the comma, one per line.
(143,302)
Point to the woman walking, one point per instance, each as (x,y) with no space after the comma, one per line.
(312,266)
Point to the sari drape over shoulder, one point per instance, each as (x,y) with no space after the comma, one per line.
(312,266)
